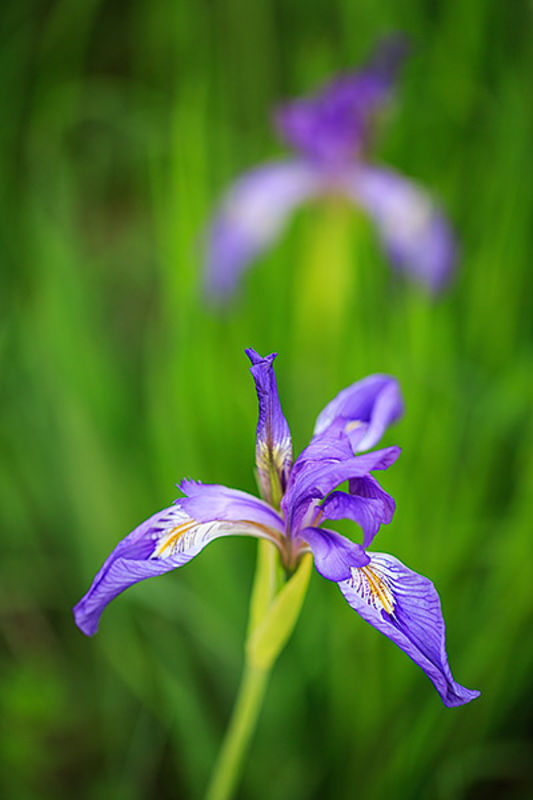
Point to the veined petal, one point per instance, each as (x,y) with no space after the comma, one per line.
(367,504)
(326,477)
(375,401)
(205,502)
(252,215)
(331,445)
(335,556)
(273,452)
(405,607)
(313,480)
(353,421)
(165,541)
(332,126)
(415,233)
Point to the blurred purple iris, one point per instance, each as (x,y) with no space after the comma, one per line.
(331,133)
(297,498)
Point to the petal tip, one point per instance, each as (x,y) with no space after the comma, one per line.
(186,485)
(459,696)
(87,623)
(256,359)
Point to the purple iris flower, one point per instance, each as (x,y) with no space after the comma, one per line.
(331,133)
(297,499)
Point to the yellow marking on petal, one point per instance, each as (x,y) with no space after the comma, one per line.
(318,519)
(272,533)
(168,544)
(272,455)
(172,537)
(271,460)
(352,426)
(379,589)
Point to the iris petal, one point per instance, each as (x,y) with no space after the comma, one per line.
(375,401)
(325,477)
(312,480)
(405,607)
(367,504)
(273,452)
(252,215)
(332,126)
(163,542)
(415,233)
(207,501)
(335,556)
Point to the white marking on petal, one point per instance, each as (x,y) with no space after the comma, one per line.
(179,534)
(169,529)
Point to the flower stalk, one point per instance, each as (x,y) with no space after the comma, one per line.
(243,721)
(274,610)
(329,243)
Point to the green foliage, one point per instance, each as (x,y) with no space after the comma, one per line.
(120,125)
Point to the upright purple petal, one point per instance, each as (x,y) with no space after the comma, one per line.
(406,607)
(323,465)
(331,445)
(326,477)
(165,541)
(332,126)
(314,478)
(375,401)
(367,504)
(273,452)
(415,233)
(252,215)
(334,555)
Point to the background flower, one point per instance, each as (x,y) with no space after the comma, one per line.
(331,134)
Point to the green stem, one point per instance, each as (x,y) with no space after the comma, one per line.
(274,610)
(241,727)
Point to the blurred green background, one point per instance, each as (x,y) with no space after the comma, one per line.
(120,125)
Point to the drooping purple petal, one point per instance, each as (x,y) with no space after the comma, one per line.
(205,502)
(332,126)
(252,215)
(405,607)
(375,400)
(367,504)
(334,555)
(273,452)
(415,233)
(163,542)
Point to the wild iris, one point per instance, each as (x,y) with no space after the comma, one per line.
(298,497)
(331,135)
